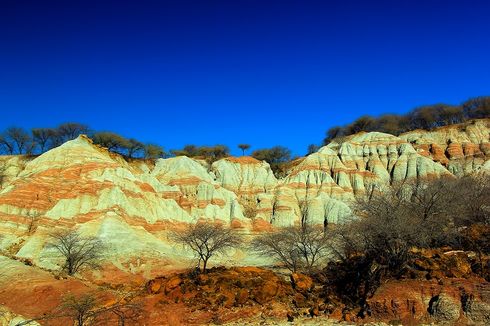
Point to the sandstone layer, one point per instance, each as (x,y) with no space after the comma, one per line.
(134,205)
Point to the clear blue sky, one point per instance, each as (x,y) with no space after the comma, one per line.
(261,72)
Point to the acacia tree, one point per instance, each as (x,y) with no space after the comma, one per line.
(276,156)
(77,251)
(134,147)
(244,147)
(112,141)
(153,151)
(207,240)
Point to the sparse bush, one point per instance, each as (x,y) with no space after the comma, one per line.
(312,148)
(69,131)
(81,309)
(88,309)
(134,148)
(209,153)
(391,221)
(77,251)
(112,141)
(277,157)
(477,108)
(396,218)
(299,248)
(207,240)
(153,151)
(16,140)
(45,138)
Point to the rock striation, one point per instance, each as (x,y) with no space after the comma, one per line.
(134,205)
(462,148)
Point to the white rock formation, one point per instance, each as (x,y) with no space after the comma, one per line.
(132,206)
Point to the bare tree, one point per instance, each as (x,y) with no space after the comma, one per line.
(312,148)
(88,309)
(77,251)
(392,220)
(6,145)
(16,140)
(299,248)
(44,138)
(207,240)
(244,147)
(395,218)
(477,209)
(134,147)
(280,247)
(81,309)
(387,228)
(70,130)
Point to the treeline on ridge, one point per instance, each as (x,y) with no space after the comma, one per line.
(424,117)
(16,140)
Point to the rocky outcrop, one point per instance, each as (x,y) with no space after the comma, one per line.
(455,302)
(462,148)
(321,185)
(134,204)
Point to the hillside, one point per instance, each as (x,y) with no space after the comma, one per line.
(82,185)
(133,206)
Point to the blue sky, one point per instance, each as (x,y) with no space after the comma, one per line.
(260,72)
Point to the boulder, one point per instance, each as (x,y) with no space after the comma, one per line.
(301,283)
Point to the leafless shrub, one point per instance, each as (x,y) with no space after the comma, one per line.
(88,309)
(81,309)
(299,248)
(32,219)
(473,199)
(396,218)
(207,240)
(389,222)
(77,251)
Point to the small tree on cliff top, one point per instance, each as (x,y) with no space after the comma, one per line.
(244,147)
(207,240)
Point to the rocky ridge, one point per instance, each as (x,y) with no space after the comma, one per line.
(462,148)
(132,205)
